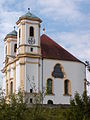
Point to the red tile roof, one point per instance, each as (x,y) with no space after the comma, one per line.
(51,50)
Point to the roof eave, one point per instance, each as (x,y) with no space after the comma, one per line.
(11,36)
(44,57)
(25,18)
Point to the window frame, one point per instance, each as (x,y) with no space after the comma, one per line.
(49,87)
(31,49)
(7,89)
(6,50)
(31,100)
(11,87)
(19,33)
(15,48)
(67,87)
(31,31)
(31,90)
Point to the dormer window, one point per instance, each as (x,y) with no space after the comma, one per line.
(15,47)
(31,32)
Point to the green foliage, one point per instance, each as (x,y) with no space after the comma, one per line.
(79,108)
(15,108)
(12,108)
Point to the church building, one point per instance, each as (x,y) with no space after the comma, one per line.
(34,63)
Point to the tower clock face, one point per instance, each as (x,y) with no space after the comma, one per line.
(31,40)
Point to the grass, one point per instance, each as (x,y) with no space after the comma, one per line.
(55,113)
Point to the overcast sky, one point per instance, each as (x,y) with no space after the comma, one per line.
(65,21)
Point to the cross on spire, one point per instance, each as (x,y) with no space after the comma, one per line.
(14,27)
(28,9)
(44,30)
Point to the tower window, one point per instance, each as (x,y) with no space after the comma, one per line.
(31,31)
(49,86)
(31,90)
(11,86)
(19,33)
(6,50)
(67,87)
(15,47)
(31,49)
(7,89)
(31,100)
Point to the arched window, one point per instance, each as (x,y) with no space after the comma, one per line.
(49,86)
(31,31)
(58,71)
(7,89)
(6,50)
(67,87)
(50,102)
(19,33)
(31,100)
(11,86)
(15,47)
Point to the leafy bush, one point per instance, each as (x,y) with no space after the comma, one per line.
(79,107)
(15,108)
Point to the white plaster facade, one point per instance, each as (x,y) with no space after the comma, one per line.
(74,71)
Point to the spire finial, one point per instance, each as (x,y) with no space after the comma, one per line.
(44,30)
(28,9)
(14,27)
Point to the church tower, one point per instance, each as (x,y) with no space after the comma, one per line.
(10,45)
(28,39)
(10,48)
(28,51)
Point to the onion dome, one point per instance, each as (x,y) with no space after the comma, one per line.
(12,34)
(29,16)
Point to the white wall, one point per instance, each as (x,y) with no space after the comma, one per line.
(12,43)
(75,72)
(36,33)
(31,69)
(17,76)
(4,82)
(12,71)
